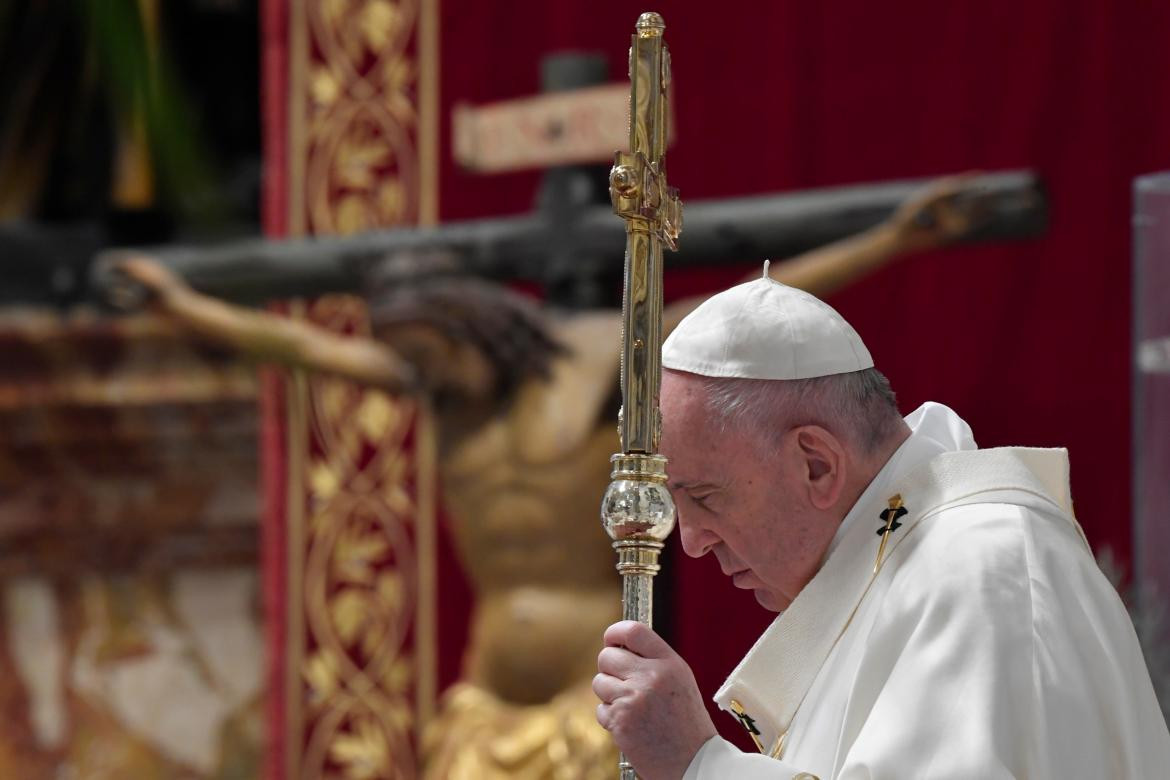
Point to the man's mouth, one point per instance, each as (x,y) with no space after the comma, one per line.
(739,578)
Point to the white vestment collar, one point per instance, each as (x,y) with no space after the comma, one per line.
(934,429)
(936,468)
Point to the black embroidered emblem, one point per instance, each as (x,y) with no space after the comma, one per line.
(748,723)
(891,526)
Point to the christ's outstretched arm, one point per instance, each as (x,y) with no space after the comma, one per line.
(268,337)
(938,215)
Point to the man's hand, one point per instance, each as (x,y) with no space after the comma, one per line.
(943,212)
(650,702)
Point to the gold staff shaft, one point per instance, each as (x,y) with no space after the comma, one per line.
(637,510)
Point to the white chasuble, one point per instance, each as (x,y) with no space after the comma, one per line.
(987,645)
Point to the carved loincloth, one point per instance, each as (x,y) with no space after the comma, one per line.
(478,736)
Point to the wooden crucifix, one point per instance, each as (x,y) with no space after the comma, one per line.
(524,407)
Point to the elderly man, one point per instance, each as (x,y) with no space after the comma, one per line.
(942,616)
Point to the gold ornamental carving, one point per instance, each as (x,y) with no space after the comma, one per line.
(361,579)
(364,87)
(361,586)
(359,561)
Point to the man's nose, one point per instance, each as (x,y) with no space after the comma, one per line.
(696,541)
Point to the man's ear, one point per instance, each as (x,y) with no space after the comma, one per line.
(823,465)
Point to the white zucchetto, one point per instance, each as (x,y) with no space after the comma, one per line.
(765,330)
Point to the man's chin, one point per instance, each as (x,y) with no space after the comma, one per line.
(770,601)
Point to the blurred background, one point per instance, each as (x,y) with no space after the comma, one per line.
(217,569)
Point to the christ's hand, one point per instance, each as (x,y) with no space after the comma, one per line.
(943,212)
(650,702)
(159,281)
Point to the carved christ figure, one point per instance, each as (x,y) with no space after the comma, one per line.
(525,401)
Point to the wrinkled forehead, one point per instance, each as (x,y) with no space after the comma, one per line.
(684,410)
(681,391)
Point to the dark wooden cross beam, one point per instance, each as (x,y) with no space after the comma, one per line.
(581,249)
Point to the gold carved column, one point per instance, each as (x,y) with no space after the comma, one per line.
(361,654)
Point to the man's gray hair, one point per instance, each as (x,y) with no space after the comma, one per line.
(858,406)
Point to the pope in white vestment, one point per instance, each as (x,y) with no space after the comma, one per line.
(988,645)
(942,615)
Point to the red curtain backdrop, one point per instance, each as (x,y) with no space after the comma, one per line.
(1029,342)
(274,77)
